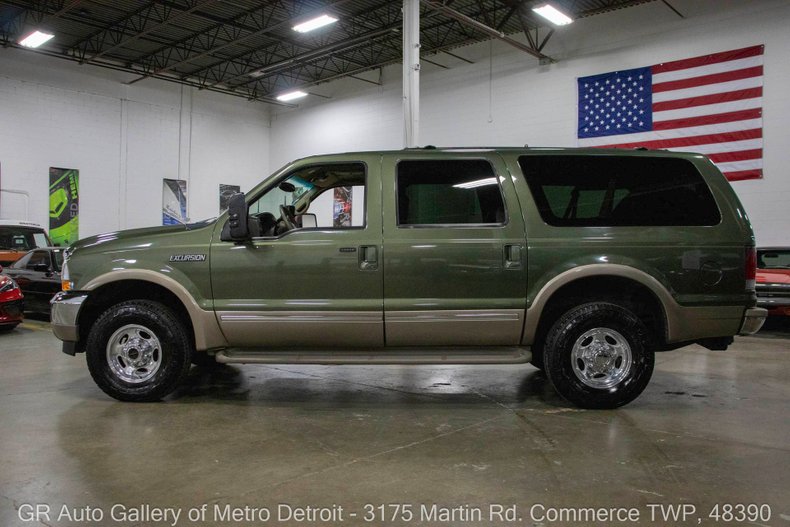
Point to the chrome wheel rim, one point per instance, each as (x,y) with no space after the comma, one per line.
(134,353)
(601,358)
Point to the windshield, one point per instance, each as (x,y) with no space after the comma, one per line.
(57,259)
(22,238)
(275,197)
(773,259)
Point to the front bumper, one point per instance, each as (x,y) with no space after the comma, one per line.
(753,320)
(65,310)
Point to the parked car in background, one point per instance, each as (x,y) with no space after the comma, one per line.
(11,304)
(38,276)
(773,280)
(18,237)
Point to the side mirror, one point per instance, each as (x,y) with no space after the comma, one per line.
(238,229)
(41,268)
(309,221)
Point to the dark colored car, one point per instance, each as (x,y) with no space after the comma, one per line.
(773,280)
(11,304)
(38,275)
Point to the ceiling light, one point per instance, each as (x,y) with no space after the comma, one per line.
(291,95)
(553,15)
(35,39)
(315,23)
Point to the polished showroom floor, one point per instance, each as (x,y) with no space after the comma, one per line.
(712,427)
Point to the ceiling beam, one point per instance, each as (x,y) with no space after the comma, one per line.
(482,28)
(186,50)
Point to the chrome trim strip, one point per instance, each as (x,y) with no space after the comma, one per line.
(480,315)
(301,316)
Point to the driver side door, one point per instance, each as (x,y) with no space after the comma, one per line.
(308,287)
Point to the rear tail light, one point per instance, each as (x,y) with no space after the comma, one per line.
(751,268)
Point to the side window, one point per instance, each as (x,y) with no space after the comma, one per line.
(38,258)
(590,191)
(449,192)
(328,196)
(22,262)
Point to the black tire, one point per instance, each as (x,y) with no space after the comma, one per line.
(8,327)
(174,355)
(611,322)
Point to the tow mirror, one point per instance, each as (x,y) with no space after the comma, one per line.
(238,230)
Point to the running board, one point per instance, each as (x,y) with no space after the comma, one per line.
(496,355)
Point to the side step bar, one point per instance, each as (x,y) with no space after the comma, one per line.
(495,355)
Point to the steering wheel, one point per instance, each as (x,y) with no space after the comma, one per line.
(287,218)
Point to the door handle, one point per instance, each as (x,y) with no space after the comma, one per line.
(513,256)
(368,258)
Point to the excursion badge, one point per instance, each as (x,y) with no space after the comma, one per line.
(188,258)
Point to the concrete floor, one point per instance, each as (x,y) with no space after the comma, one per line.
(712,427)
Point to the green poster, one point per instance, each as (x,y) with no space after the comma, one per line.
(64,205)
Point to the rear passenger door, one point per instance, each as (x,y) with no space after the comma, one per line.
(454,251)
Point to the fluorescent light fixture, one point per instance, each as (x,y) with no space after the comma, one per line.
(478,183)
(553,15)
(35,39)
(291,95)
(315,23)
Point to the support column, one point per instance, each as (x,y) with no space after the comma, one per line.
(411,73)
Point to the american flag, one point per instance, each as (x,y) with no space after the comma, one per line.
(710,104)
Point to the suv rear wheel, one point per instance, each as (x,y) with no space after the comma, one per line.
(597,356)
(138,351)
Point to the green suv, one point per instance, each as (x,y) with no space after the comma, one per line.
(583,262)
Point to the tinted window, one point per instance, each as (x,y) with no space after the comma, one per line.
(22,238)
(57,259)
(773,259)
(332,194)
(619,191)
(22,262)
(450,192)
(38,258)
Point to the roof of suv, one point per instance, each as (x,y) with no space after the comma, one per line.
(19,223)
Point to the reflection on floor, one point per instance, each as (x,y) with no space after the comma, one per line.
(712,427)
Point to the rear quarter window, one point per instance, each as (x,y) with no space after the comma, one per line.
(595,191)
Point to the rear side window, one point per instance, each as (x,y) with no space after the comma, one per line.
(593,191)
(449,192)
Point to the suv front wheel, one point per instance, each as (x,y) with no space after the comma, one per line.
(597,356)
(138,351)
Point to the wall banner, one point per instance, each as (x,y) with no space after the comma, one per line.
(64,205)
(342,207)
(174,201)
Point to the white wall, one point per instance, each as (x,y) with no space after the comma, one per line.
(524,103)
(123,139)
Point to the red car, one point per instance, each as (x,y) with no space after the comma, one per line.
(11,304)
(773,280)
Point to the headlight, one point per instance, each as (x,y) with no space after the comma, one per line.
(8,285)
